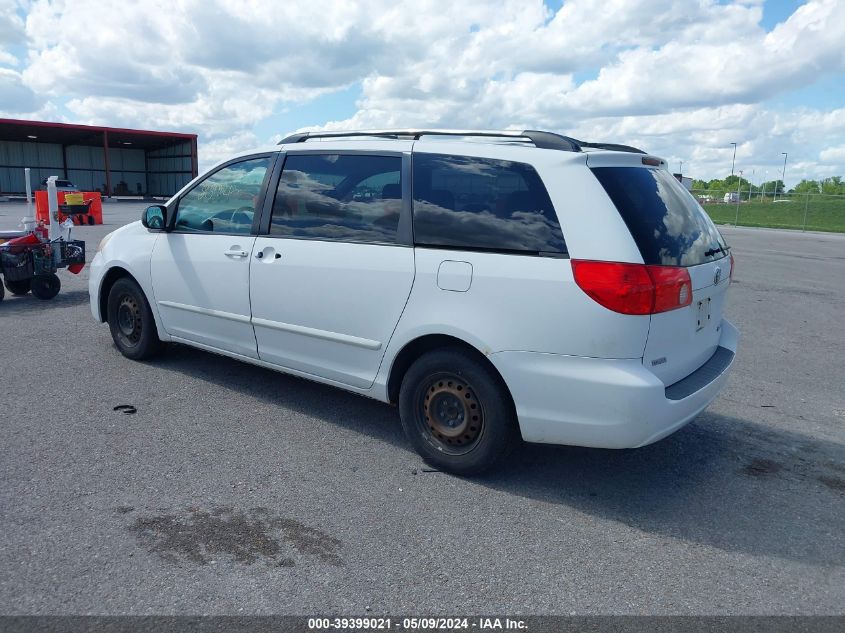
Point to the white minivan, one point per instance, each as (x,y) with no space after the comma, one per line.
(494,285)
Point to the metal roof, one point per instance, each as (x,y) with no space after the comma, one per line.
(72,134)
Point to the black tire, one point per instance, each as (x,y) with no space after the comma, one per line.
(18,287)
(46,286)
(2,293)
(456,411)
(131,322)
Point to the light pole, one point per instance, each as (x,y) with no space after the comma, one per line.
(733,162)
(681,167)
(783,175)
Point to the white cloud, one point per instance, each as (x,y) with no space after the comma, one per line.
(735,68)
(682,79)
(7,59)
(15,96)
(11,32)
(833,155)
(11,24)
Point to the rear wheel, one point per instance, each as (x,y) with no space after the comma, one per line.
(18,287)
(131,322)
(456,411)
(46,286)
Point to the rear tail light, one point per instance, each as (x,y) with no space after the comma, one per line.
(634,288)
(672,288)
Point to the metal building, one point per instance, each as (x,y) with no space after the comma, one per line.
(113,161)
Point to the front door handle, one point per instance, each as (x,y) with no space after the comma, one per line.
(235,253)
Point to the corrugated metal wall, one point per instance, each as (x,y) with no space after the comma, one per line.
(45,159)
(87,170)
(128,175)
(160,173)
(169,169)
(86,167)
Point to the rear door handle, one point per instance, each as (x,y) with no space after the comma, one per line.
(261,254)
(235,253)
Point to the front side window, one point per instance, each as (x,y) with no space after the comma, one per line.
(226,201)
(481,203)
(356,198)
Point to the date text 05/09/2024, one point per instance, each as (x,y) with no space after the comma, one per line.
(417,624)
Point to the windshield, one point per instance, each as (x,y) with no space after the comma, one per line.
(666,222)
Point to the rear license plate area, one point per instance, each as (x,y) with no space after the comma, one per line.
(703,315)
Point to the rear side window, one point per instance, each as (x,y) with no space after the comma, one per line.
(668,225)
(480,203)
(353,198)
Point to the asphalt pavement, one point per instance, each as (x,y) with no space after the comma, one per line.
(238,490)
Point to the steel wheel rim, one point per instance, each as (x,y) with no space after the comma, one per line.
(449,413)
(129,319)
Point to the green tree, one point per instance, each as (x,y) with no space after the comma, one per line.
(807,186)
(736,184)
(771,187)
(720,186)
(833,186)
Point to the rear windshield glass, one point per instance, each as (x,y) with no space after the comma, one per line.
(666,222)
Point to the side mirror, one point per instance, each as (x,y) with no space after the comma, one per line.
(155,217)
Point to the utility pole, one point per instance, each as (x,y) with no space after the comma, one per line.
(738,197)
(681,167)
(733,162)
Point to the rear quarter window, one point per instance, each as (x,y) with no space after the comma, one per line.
(465,202)
(668,225)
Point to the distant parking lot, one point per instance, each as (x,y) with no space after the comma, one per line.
(234,487)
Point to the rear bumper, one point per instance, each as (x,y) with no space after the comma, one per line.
(608,403)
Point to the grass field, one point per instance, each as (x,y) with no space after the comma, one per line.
(824,213)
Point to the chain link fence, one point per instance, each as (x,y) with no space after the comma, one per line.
(803,211)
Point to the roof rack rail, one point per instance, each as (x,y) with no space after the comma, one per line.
(613,147)
(543,140)
(540,139)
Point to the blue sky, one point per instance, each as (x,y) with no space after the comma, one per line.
(681,79)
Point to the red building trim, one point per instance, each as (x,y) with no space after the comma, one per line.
(96,128)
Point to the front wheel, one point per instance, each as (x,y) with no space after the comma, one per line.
(456,411)
(46,286)
(131,322)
